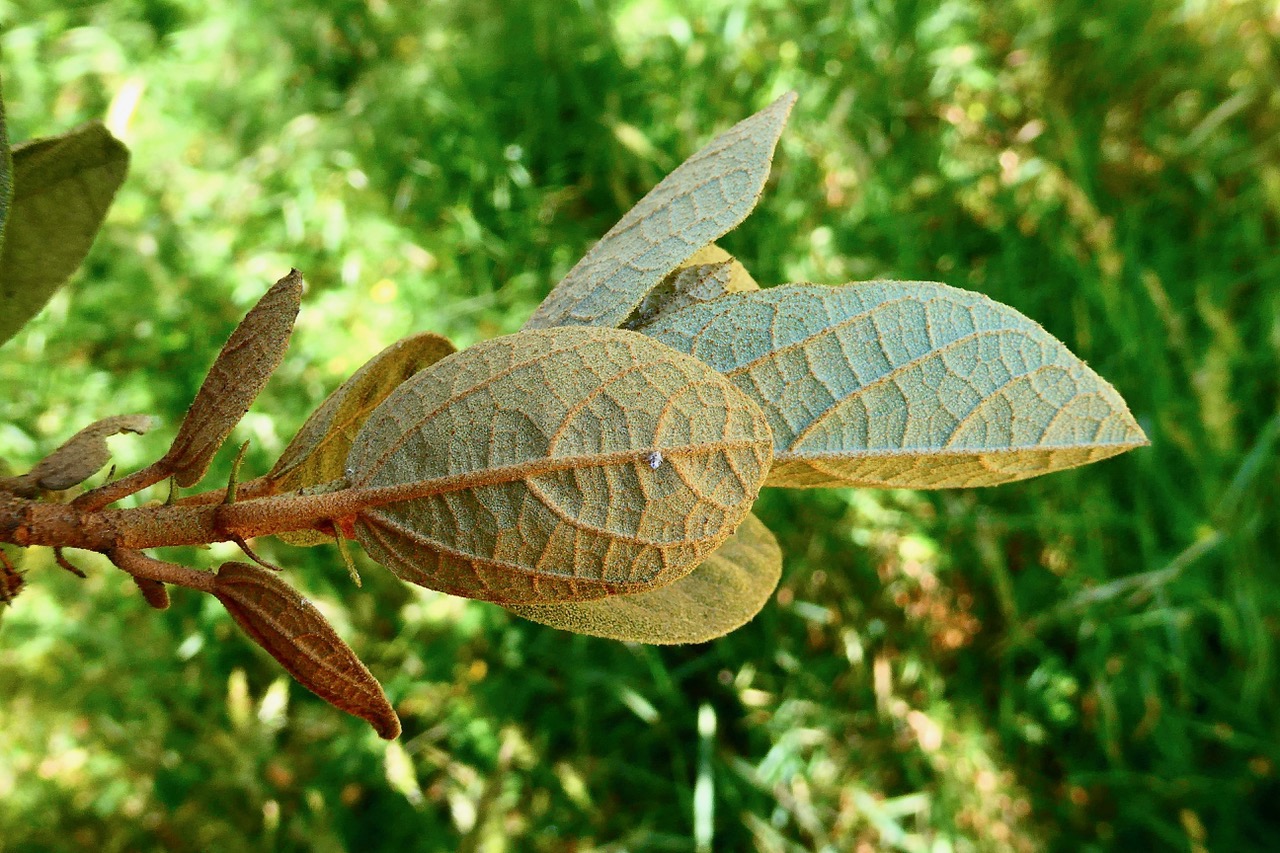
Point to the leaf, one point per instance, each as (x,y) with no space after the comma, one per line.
(293,632)
(703,199)
(62,187)
(719,596)
(709,274)
(79,457)
(318,452)
(238,375)
(904,385)
(523,467)
(6,176)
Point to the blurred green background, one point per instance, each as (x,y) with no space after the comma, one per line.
(1086,661)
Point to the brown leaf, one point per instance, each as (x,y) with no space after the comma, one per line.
(701,201)
(721,595)
(242,369)
(155,592)
(319,451)
(293,632)
(557,464)
(79,457)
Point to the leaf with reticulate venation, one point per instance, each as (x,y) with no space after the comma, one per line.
(904,385)
(558,464)
(61,189)
(318,453)
(702,200)
(721,595)
(237,377)
(709,274)
(78,458)
(290,628)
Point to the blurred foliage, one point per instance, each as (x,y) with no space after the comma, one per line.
(1082,662)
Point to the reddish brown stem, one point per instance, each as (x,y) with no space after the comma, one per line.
(108,493)
(140,565)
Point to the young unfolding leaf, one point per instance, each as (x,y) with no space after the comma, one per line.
(703,199)
(709,274)
(79,457)
(291,629)
(525,467)
(721,595)
(62,187)
(238,375)
(904,384)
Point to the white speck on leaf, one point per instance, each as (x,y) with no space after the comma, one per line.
(655,459)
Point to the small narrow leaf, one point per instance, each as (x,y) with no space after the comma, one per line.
(702,200)
(238,375)
(290,628)
(79,457)
(719,596)
(904,385)
(525,465)
(61,189)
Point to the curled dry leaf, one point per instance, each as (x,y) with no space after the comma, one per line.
(290,628)
(702,200)
(79,457)
(721,595)
(904,385)
(524,466)
(318,452)
(238,375)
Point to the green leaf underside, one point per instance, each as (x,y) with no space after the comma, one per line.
(552,434)
(904,385)
(703,199)
(6,177)
(318,453)
(708,274)
(721,595)
(290,628)
(237,377)
(62,187)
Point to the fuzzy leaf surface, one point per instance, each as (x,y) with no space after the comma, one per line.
(702,200)
(721,595)
(709,274)
(61,189)
(238,375)
(78,458)
(904,385)
(293,632)
(527,467)
(318,453)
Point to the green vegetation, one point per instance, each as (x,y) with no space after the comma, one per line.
(1086,660)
